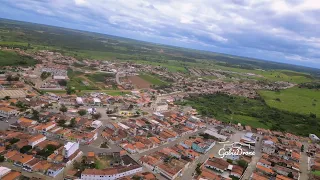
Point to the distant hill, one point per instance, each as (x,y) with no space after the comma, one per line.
(82,44)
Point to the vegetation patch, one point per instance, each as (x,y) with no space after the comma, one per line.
(297,100)
(152,79)
(99,77)
(253,112)
(8,58)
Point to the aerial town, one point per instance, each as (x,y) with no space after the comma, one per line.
(51,131)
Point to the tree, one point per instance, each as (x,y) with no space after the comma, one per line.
(73,122)
(229,161)
(198,169)
(96,115)
(82,112)
(35,114)
(71,90)
(25,149)
(312,115)
(243,163)
(6,97)
(9,78)
(63,109)
(1,158)
(45,75)
(290,175)
(62,82)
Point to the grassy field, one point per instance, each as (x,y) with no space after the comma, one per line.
(98,77)
(272,75)
(253,112)
(254,122)
(317,173)
(8,58)
(152,79)
(80,83)
(298,100)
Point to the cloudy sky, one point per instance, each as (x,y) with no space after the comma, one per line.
(278,30)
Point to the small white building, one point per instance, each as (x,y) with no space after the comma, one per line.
(96,101)
(36,140)
(54,170)
(109,174)
(96,124)
(79,100)
(314,138)
(70,148)
(214,133)
(158,115)
(60,77)
(194,119)
(162,107)
(4,171)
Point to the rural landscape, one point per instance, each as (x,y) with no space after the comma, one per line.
(84,105)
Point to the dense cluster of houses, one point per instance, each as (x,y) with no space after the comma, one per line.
(36,153)
(171,162)
(281,156)
(138,135)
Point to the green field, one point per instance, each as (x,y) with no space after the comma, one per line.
(298,100)
(98,77)
(317,173)
(152,79)
(79,84)
(9,58)
(253,112)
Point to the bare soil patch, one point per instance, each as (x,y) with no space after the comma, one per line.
(138,82)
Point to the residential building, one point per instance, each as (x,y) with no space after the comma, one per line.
(110,173)
(36,140)
(70,148)
(8,112)
(217,164)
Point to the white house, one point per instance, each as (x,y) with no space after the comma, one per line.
(54,170)
(96,124)
(70,148)
(60,77)
(8,112)
(314,138)
(161,107)
(79,100)
(96,101)
(4,171)
(110,174)
(194,119)
(36,140)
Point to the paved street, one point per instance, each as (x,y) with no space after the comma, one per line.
(5,125)
(187,174)
(304,163)
(25,173)
(252,165)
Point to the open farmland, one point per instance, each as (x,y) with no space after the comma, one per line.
(9,58)
(138,82)
(152,79)
(298,100)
